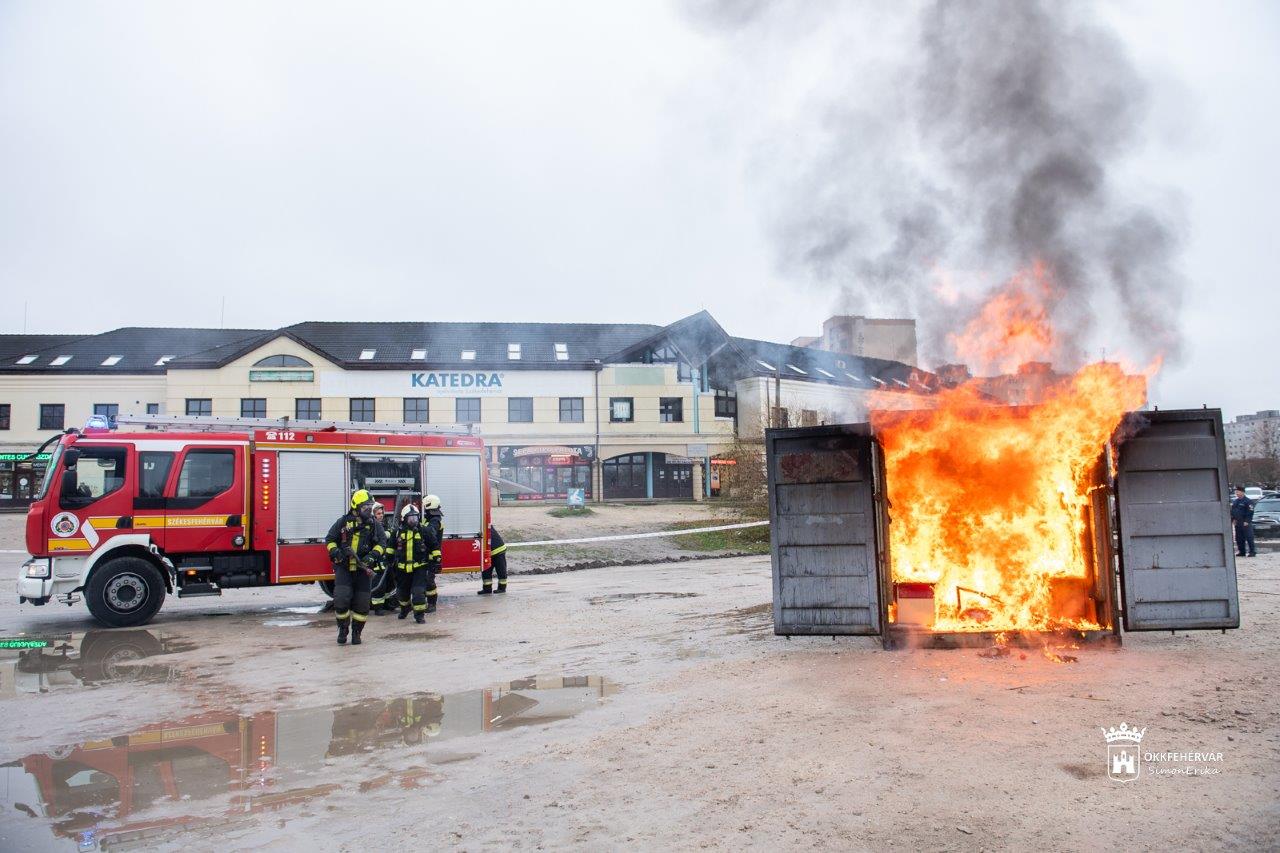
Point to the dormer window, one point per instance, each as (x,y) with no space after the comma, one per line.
(418,355)
(513,352)
(766,365)
(277,361)
(60,360)
(797,370)
(163,360)
(825,373)
(367,354)
(28,359)
(562,352)
(468,355)
(112,360)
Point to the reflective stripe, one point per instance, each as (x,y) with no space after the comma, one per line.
(496,551)
(332,545)
(360,617)
(419,607)
(435,555)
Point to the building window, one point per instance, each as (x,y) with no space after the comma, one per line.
(726,404)
(780,416)
(808,417)
(52,415)
(196,406)
(4,415)
(362,409)
(622,409)
(513,352)
(307,408)
(153,408)
(671,410)
(520,410)
(468,411)
(571,410)
(417,410)
(110,411)
(282,361)
(253,407)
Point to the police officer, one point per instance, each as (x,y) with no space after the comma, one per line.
(414,544)
(355,544)
(433,518)
(497,551)
(1242,520)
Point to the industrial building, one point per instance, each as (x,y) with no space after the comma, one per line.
(622,411)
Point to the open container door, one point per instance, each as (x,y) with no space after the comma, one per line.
(1177,564)
(828,564)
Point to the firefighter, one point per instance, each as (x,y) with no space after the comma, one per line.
(384,580)
(433,517)
(498,552)
(413,546)
(355,544)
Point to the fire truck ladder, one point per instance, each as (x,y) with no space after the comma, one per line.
(210,423)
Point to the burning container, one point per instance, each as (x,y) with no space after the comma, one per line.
(1143,538)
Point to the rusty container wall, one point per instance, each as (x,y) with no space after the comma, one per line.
(1101,553)
(1177,564)
(828,549)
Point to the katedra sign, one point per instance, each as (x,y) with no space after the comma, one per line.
(456,383)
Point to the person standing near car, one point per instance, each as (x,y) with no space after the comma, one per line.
(1242,521)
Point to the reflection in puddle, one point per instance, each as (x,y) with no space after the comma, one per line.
(286,623)
(53,662)
(126,790)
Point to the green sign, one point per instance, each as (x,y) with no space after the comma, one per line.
(282,375)
(19,643)
(22,457)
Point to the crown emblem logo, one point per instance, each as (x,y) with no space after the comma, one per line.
(1124,734)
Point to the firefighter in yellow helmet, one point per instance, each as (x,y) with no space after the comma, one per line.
(433,518)
(355,545)
(414,544)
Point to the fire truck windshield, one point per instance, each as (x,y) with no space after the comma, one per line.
(51,470)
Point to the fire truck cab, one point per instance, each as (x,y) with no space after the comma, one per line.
(195,505)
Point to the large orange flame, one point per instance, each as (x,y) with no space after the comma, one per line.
(990,503)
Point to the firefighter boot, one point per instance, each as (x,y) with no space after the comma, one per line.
(357,628)
(502,587)
(404,611)
(419,617)
(487,589)
(343,627)
(431,605)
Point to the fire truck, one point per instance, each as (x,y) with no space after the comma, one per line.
(195,505)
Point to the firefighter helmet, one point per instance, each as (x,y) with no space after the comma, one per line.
(409,509)
(360,496)
(430,502)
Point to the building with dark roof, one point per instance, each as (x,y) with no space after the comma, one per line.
(621,410)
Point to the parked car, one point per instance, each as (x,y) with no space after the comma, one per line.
(1266,519)
(1253,493)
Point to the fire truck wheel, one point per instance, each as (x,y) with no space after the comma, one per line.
(124,592)
(327,588)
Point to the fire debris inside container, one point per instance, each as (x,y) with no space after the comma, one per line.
(990,504)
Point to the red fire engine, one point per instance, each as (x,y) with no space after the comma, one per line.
(196,505)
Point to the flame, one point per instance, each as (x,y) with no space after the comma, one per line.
(991,503)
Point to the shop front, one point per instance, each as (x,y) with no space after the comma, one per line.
(543,472)
(20,477)
(648,475)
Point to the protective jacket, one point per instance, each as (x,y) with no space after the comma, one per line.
(434,519)
(353,538)
(414,547)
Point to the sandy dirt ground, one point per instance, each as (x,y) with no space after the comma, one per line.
(639,707)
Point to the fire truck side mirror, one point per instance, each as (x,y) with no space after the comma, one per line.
(70,458)
(69,484)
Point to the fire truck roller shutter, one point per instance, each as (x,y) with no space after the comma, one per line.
(456,479)
(312,493)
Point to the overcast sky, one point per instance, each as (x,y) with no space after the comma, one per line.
(530,161)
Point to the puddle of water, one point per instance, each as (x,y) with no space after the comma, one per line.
(47,663)
(415,635)
(631,596)
(286,623)
(204,770)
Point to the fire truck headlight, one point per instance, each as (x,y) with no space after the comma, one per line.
(37,569)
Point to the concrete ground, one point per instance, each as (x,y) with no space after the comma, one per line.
(639,707)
